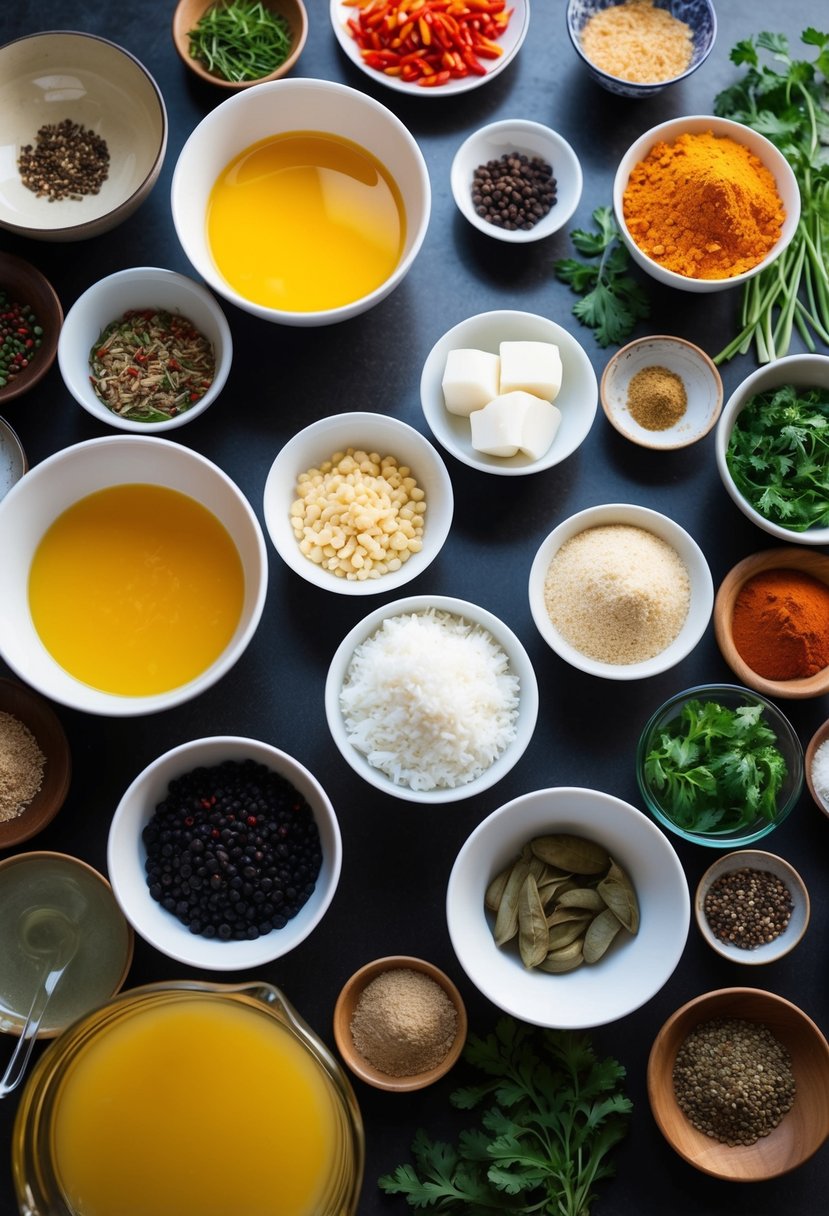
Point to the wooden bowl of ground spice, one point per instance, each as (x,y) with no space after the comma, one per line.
(400,1023)
(661,392)
(708,1051)
(35,763)
(771,622)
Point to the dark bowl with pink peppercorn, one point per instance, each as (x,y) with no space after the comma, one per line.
(31,316)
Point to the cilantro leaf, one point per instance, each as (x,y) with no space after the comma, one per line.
(612,300)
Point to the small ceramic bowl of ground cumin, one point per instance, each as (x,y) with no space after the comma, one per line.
(661,392)
(35,763)
(771,622)
(691,1069)
(752,907)
(400,1023)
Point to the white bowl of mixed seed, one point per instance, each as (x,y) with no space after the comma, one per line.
(145,349)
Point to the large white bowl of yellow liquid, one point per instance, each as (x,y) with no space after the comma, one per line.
(133,574)
(193,1098)
(301,201)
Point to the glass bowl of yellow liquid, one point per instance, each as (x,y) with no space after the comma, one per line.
(191,1098)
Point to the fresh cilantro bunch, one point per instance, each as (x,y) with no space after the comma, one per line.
(612,300)
(542,1145)
(789,104)
(716,769)
(778,456)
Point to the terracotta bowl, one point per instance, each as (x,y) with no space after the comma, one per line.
(755,859)
(344,1012)
(25,284)
(188,13)
(37,714)
(803,560)
(802,1130)
(821,735)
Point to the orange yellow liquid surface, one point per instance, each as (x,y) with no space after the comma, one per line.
(305,222)
(136,589)
(194,1108)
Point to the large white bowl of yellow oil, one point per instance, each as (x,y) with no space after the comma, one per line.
(301,201)
(133,574)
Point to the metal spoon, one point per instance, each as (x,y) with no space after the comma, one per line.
(59,944)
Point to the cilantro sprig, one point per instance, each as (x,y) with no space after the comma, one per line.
(789,104)
(543,1143)
(716,769)
(612,300)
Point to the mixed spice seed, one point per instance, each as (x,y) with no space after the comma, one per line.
(67,161)
(514,192)
(20,337)
(150,365)
(748,907)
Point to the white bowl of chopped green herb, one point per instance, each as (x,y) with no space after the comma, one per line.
(431,699)
(110,125)
(719,765)
(772,448)
(145,349)
(620,591)
(635,966)
(236,43)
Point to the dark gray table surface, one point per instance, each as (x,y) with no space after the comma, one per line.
(397,856)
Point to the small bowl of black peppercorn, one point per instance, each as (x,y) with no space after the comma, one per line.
(516,180)
(224,853)
(752,907)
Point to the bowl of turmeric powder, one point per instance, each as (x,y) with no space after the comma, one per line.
(771,621)
(704,203)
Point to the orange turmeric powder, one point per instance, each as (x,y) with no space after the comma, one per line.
(703,206)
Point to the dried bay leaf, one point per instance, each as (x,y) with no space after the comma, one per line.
(571,853)
(495,890)
(600,933)
(506,919)
(533,934)
(563,916)
(618,892)
(582,897)
(567,958)
(565,933)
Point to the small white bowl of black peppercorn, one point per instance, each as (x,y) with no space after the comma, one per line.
(516,180)
(752,907)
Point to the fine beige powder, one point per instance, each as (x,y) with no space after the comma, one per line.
(21,767)
(638,42)
(617,593)
(404,1023)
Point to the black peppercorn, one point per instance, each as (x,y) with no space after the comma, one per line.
(747,907)
(513,192)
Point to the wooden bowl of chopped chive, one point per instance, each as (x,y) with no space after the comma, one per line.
(237,43)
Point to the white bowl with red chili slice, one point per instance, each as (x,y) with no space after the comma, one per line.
(440,49)
(145,349)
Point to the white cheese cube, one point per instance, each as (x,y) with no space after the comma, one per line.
(498,429)
(470,380)
(541,422)
(533,367)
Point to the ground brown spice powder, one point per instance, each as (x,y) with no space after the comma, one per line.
(404,1023)
(656,398)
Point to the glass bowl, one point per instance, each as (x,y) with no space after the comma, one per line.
(730,696)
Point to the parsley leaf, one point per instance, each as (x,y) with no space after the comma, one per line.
(613,301)
(543,1144)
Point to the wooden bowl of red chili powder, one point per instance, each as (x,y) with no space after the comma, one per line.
(771,621)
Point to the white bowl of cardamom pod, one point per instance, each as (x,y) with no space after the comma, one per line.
(609,862)
(620,591)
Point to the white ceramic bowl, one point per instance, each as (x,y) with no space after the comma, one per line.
(577,400)
(755,859)
(703,387)
(801,370)
(140,287)
(532,139)
(632,971)
(702,588)
(48,77)
(519,663)
(49,489)
(763,148)
(127,854)
(269,109)
(373,433)
(510,43)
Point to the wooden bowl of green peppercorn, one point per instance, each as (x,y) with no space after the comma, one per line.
(236,43)
(31,317)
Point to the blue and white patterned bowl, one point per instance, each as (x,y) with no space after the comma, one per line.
(698,14)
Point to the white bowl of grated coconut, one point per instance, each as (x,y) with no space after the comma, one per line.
(431,699)
(620,591)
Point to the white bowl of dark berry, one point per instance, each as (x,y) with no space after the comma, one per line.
(224,853)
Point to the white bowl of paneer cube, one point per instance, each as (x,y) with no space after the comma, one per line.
(509,392)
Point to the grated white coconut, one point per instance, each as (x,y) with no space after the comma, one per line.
(430,700)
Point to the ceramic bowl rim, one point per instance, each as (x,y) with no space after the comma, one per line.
(772,863)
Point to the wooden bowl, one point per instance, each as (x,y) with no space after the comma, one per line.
(793,557)
(802,1130)
(37,714)
(188,13)
(344,1012)
(821,735)
(25,284)
(755,859)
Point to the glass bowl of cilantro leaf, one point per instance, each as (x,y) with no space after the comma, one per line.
(772,448)
(719,765)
